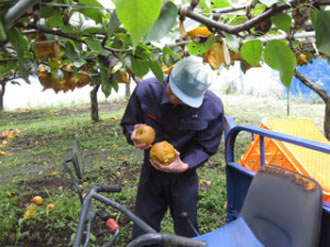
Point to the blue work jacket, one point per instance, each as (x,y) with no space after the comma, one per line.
(195,132)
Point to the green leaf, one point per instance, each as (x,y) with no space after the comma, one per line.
(121,40)
(220,4)
(279,56)
(94,14)
(3,35)
(137,16)
(94,45)
(114,23)
(91,3)
(157,70)
(139,67)
(282,21)
(164,23)
(106,84)
(322,32)
(70,51)
(258,9)
(47,11)
(20,45)
(69,29)
(94,30)
(237,20)
(114,81)
(313,15)
(169,56)
(56,21)
(251,51)
(232,42)
(200,48)
(54,68)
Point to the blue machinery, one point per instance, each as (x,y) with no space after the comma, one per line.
(239,178)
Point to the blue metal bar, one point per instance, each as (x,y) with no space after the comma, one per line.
(262,151)
(230,141)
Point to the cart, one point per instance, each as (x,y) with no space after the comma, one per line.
(239,177)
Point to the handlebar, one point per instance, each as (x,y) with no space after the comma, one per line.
(86,205)
(166,239)
(85,208)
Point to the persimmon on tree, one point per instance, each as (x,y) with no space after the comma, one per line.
(127,40)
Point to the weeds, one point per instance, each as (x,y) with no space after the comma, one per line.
(33,166)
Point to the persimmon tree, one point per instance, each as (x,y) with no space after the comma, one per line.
(72,43)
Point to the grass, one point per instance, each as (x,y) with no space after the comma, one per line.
(33,166)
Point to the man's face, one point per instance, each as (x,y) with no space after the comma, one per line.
(172,97)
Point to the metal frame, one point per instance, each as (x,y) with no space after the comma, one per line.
(239,178)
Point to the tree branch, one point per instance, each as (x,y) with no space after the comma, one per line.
(248,24)
(321,92)
(64,35)
(238,28)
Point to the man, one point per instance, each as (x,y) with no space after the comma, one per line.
(185,113)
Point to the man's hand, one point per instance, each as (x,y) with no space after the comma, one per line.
(134,138)
(177,166)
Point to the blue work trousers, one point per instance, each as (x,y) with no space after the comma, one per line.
(158,191)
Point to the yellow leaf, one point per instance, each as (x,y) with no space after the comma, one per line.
(9,194)
(123,158)
(302,59)
(199,31)
(4,143)
(215,56)
(3,153)
(11,135)
(114,145)
(206,182)
(31,206)
(27,110)
(52,174)
(124,78)
(115,118)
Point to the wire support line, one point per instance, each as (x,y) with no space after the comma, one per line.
(75,6)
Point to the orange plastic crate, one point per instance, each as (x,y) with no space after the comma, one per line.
(303,160)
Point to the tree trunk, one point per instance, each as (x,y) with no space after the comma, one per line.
(323,94)
(327,120)
(94,104)
(2,94)
(127,90)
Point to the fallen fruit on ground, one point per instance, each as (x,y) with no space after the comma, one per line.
(28,214)
(50,207)
(37,200)
(163,153)
(146,135)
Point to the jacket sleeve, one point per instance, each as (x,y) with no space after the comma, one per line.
(133,115)
(204,144)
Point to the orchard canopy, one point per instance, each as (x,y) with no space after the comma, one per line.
(71,43)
